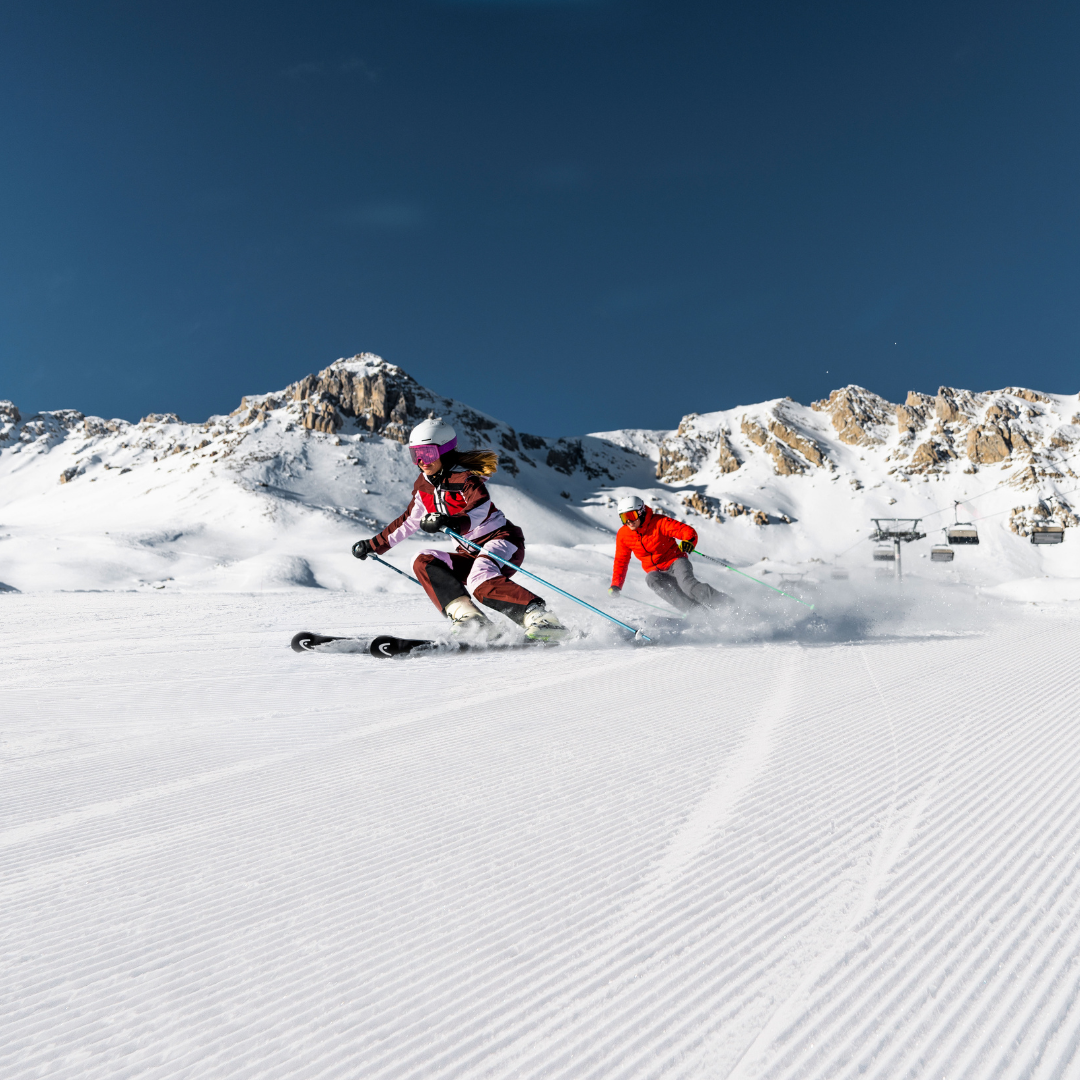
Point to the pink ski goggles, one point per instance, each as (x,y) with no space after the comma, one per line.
(428,455)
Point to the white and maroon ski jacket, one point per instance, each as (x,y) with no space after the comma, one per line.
(458,493)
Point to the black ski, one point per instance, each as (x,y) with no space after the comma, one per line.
(306,641)
(386,645)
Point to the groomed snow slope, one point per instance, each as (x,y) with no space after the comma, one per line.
(811,858)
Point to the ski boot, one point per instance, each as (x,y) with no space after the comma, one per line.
(540,625)
(468,623)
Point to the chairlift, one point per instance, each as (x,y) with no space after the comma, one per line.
(792,579)
(839,574)
(1047,534)
(889,534)
(961,532)
(942,553)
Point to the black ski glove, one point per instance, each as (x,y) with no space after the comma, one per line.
(363,548)
(686,546)
(433,523)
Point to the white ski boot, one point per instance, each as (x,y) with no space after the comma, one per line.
(540,625)
(469,623)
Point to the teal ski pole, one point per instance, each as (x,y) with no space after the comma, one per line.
(667,611)
(728,566)
(372,555)
(561,592)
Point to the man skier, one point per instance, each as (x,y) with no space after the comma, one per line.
(662,544)
(450,492)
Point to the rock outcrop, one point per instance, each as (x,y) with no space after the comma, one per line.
(690,449)
(784,462)
(861,418)
(9,418)
(799,443)
(1053,510)
(912,415)
(364,387)
(719,509)
(727,460)
(988,444)
(754,432)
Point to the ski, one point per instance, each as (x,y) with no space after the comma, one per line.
(383,645)
(387,645)
(306,641)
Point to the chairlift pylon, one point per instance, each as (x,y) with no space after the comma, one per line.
(1047,534)
(890,533)
(961,532)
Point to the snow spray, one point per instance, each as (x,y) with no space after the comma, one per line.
(728,566)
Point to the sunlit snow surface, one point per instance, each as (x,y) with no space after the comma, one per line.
(761,850)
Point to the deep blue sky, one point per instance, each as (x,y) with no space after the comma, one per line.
(573,215)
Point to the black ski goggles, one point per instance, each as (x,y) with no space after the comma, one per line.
(632,515)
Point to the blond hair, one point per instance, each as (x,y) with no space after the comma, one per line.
(480,462)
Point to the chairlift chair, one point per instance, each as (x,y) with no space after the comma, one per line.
(884,553)
(839,574)
(942,553)
(1047,534)
(961,532)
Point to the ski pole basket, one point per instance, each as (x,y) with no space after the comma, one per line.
(1048,534)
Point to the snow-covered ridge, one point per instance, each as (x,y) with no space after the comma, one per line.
(1019,437)
(271,494)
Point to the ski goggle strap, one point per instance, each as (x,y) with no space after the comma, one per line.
(632,516)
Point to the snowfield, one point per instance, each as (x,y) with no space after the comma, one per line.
(786,844)
(825,856)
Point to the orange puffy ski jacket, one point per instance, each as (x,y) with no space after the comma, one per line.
(656,544)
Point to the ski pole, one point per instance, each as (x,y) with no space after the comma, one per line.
(667,611)
(562,592)
(728,566)
(372,555)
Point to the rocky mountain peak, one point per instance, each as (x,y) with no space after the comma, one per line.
(364,387)
(860,417)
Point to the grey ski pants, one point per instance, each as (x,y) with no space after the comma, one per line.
(678,586)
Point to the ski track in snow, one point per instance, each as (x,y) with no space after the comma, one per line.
(780,860)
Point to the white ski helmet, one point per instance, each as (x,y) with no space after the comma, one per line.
(628,503)
(435,433)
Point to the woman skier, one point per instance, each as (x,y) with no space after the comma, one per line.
(450,492)
(662,544)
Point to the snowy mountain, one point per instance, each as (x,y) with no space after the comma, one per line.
(273,494)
